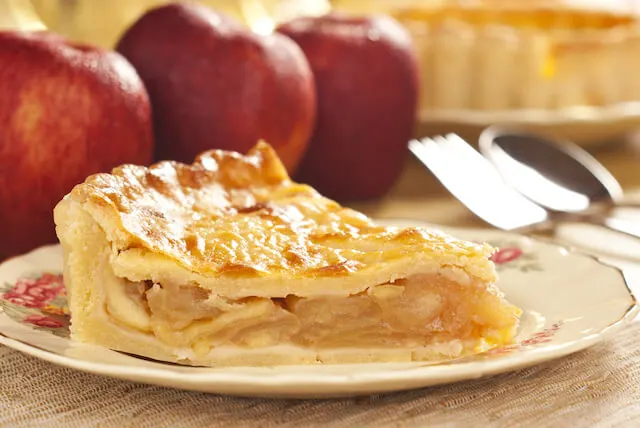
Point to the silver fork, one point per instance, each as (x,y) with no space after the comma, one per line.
(479,186)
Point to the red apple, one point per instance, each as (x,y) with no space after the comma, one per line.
(214,84)
(366,84)
(65,112)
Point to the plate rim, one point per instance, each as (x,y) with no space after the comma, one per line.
(622,111)
(279,384)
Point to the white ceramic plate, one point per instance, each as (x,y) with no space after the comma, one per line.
(582,125)
(570,302)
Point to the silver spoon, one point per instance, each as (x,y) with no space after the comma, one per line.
(556,174)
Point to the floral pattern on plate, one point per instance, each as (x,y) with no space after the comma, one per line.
(544,336)
(39,301)
(510,256)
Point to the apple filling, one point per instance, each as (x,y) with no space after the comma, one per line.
(412,312)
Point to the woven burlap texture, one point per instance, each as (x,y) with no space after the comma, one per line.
(596,387)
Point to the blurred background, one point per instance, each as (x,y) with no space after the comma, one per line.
(102,22)
(576,74)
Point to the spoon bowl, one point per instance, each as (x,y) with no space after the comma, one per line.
(553,173)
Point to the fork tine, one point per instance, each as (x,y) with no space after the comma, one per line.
(426,151)
(473,159)
(473,180)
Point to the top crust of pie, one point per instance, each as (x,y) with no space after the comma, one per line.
(524,13)
(229,216)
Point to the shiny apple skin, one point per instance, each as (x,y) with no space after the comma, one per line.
(216,85)
(66,112)
(366,78)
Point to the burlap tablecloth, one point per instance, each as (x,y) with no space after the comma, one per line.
(596,387)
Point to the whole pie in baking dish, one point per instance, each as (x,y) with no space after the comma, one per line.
(523,54)
(229,262)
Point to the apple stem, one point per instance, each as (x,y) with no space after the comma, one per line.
(19,15)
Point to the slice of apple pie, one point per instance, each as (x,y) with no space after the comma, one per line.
(229,262)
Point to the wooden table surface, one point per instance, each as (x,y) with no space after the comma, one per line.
(418,195)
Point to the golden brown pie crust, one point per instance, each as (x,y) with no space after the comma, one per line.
(233,215)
